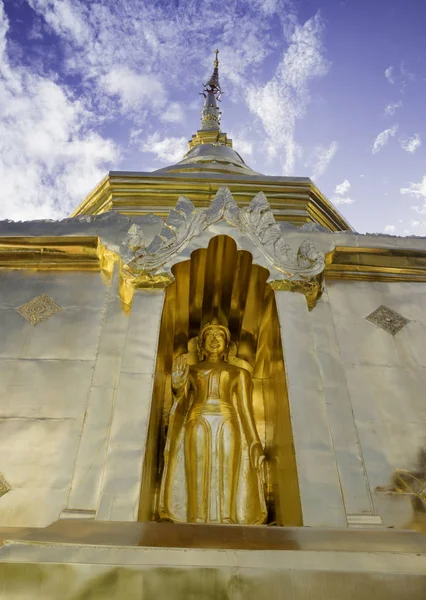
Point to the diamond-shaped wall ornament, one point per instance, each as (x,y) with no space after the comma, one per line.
(4,486)
(387,319)
(39,309)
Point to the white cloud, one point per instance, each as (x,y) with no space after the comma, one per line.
(66,18)
(340,193)
(122,59)
(411,144)
(419,227)
(322,157)
(172,113)
(243,147)
(169,149)
(135,91)
(406,73)
(400,75)
(393,107)
(389,74)
(50,156)
(284,99)
(156,38)
(389,229)
(342,188)
(383,138)
(241,143)
(342,200)
(133,58)
(418,190)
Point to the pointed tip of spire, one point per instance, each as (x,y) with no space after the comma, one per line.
(213,85)
(216,60)
(210,119)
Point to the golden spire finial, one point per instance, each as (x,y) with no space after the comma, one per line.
(210,119)
(216,62)
(213,85)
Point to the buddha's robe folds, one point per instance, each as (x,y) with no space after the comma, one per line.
(208,474)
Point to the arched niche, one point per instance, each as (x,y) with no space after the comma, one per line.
(221,281)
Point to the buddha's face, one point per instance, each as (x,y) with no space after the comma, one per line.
(214,342)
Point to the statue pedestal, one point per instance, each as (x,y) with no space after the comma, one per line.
(78,559)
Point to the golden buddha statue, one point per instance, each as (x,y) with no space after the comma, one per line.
(213,458)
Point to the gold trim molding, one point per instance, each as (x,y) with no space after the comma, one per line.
(47,253)
(375,264)
(56,253)
(311,288)
(295,200)
(209,137)
(87,253)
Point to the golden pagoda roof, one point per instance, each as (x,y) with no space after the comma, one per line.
(211,162)
(210,157)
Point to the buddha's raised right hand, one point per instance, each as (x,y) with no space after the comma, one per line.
(180,371)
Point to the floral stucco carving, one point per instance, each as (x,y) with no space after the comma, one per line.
(149,265)
(258,221)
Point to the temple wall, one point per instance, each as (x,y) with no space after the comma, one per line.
(75,393)
(321,496)
(357,402)
(122,477)
(46,375)
(75,398)
(375,390)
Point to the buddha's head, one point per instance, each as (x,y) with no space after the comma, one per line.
(213,341)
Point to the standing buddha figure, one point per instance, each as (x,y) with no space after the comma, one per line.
(213,456)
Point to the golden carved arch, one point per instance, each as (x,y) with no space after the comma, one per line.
(220,282)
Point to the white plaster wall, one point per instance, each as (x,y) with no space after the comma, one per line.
(75,397)
(45,379)
(122,475)
(385,378)
(320,489)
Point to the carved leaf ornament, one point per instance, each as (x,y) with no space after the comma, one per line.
(256,220)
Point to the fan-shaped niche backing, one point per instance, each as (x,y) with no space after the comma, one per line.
(222,282)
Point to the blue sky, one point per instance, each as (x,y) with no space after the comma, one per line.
(333,90)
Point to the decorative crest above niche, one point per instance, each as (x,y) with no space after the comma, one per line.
(150,265)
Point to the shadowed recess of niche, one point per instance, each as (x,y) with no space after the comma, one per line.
(222,282)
